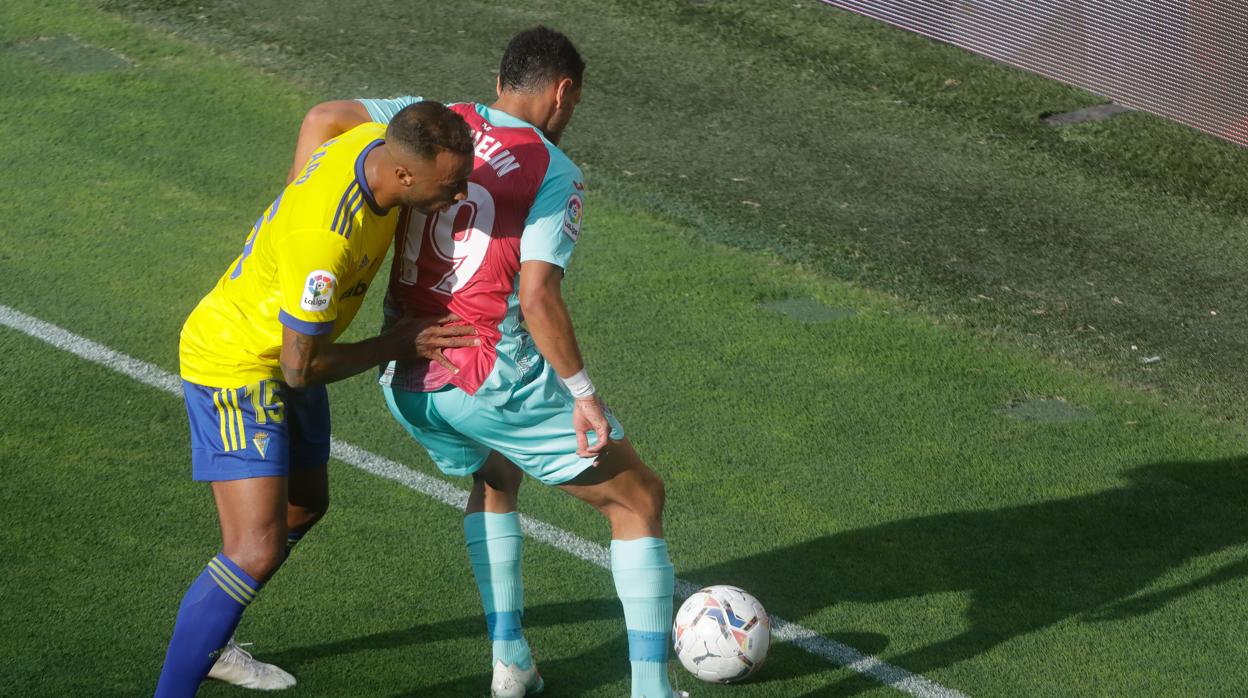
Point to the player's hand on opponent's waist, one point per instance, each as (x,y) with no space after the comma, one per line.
(426,337)
(589,414)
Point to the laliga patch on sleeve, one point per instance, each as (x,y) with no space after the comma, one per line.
(572,217)
(318,290)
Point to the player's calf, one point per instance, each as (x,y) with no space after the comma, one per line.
(307,498)
(631,496)
(645,501)
(494,544)
(644,581)
(207,616)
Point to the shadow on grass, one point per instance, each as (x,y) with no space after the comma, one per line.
(593,667)
(566,676)
(565,613)
(1025,567)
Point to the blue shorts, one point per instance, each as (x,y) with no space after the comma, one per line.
(533,429)
(258,430)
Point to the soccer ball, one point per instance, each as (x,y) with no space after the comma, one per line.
(721,634)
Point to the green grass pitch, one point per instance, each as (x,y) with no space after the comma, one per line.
(856,422)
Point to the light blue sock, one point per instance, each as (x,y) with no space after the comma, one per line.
(494,543)
(644,581)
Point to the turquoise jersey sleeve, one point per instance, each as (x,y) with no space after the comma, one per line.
(554,221)
(383,110)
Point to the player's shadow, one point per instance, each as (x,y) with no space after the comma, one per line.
(607,660)
(602,661)
(606,663)
(563,613)
(1023,568)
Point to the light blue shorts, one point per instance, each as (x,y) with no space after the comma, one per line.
(533,429)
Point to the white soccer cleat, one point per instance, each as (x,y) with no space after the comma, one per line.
(235,665)
(510,681)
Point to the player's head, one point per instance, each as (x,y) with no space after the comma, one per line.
(432,151)
(542,64)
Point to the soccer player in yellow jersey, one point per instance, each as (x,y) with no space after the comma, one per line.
(257,352)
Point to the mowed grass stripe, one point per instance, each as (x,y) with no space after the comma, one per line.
(148,374)
(853,148)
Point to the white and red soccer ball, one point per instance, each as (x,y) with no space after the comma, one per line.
(721,634)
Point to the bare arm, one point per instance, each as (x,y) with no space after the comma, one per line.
(314,360)
(541,301)
(323,122)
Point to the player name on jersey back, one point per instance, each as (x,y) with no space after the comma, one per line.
(492,152)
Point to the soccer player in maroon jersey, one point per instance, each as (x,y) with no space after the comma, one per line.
(522,397)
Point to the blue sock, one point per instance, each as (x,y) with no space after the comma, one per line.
(494,542)
(209,613)
(292,539)
(644,581)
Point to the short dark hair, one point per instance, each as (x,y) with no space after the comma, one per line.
(425,128)
(536,57)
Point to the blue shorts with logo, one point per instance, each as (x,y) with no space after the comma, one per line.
(533,429)
(258,430)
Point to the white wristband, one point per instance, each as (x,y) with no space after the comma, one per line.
(579,385)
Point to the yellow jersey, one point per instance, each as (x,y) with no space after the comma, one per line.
(306,264)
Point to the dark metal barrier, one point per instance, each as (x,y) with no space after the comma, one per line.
(1183,59)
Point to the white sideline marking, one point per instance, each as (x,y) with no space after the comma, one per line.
(782,630)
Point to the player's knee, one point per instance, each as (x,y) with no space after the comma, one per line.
(649,497)
(303,520)
(306,510)
(509,479)
(307,514)
(658,494)
(259,558)
(506,484)
(500,475)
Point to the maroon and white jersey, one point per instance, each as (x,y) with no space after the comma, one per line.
(525,200)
